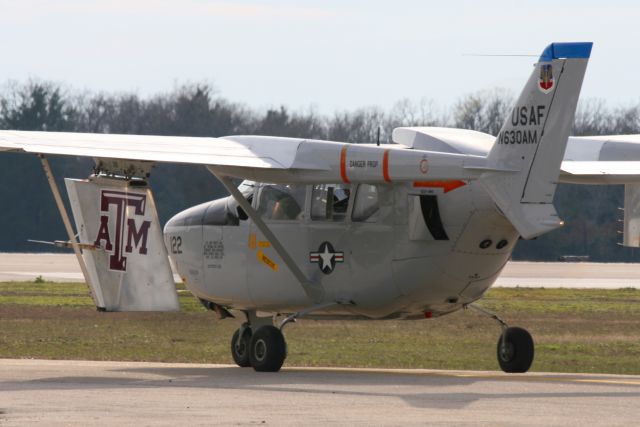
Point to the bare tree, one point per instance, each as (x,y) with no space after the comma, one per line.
(592,118)
(483,111)
(626,120)
(422,113)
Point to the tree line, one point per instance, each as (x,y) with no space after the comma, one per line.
(590,212)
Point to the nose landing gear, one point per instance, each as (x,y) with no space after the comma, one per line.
(515,350)
(515,346)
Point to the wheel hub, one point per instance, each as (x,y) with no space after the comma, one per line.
(507,351)
(241,347)
(260,350)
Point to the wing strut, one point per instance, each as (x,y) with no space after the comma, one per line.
(313,291)
(67,225)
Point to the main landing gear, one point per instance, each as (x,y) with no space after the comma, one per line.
(263,348)
(259,344)
(515,346)
(240,344)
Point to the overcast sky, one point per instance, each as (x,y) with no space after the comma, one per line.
(331,55)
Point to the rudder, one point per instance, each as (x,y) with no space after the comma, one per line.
(128,266)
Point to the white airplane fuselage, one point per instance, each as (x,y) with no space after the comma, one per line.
(428,249)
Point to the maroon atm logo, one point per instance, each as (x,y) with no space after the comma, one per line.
(126,236)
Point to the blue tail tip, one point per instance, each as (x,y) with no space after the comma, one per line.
(566,50)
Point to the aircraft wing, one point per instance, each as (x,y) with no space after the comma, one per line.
(234,151)
(260,158)
(611,159)
(588,160)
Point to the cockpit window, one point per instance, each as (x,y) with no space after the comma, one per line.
(234,207)
(281,202)
(329,202)
(365,205)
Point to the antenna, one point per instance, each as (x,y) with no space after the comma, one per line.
(485,54)
(378,136)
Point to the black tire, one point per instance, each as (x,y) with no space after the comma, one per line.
(268,349)
(240,349)
(516,356)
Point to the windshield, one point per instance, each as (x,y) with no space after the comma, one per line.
(281,202)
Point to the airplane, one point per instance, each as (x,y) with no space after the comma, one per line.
(416,229)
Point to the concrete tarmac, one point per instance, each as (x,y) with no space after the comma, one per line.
(569,275)
(124,393)
(64,267)
(26,267)
(55,267)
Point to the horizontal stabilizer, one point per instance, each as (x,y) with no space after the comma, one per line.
(605,159)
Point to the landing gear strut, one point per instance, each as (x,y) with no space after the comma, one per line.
(515,346)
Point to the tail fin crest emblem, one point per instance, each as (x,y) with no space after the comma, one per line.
(546,78)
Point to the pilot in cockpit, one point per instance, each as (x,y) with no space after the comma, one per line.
(282,202)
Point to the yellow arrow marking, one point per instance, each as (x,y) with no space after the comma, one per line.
(267,261)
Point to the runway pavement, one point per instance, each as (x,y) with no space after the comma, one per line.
(121,393)
(64,267)
(570,275)
(54,267)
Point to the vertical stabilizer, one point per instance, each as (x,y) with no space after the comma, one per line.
(128,264)
(533,138)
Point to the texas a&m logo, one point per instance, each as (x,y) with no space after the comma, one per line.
(126,236)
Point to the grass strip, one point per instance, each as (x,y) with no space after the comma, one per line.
(575,330)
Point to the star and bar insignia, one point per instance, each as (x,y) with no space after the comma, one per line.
(326,257)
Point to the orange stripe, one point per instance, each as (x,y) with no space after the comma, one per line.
(445,185)
(385,166)
(343,164)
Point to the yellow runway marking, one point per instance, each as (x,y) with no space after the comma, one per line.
(619,382)
(532,377)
